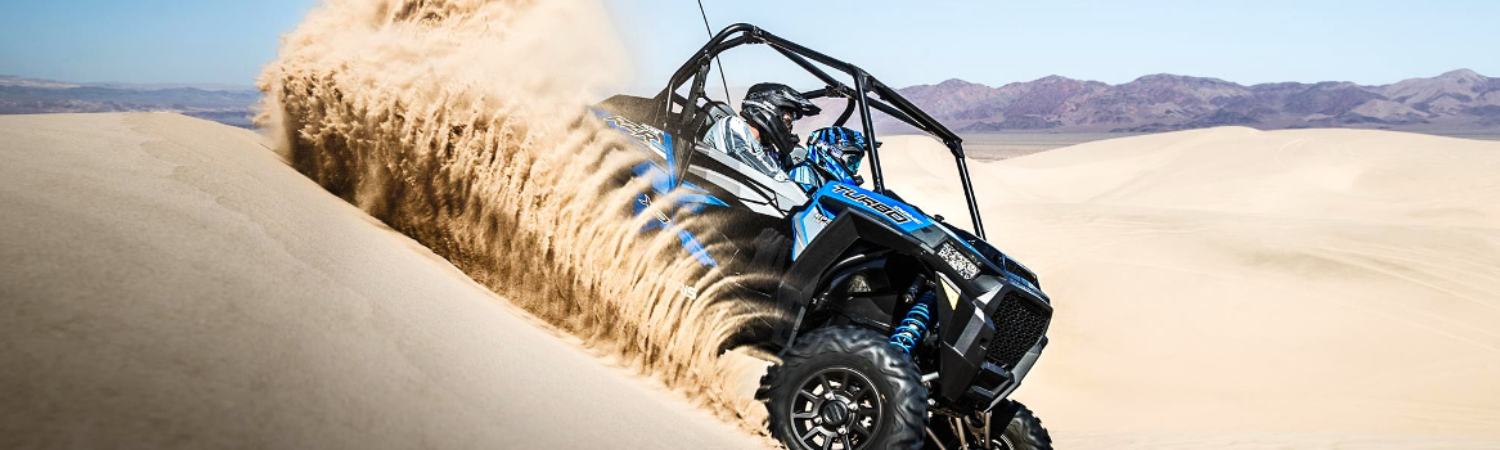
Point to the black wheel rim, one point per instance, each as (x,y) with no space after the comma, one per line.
(835,409)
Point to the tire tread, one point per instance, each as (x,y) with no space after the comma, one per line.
(909,399)
(1026,430)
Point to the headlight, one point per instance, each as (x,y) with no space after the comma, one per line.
(961,263)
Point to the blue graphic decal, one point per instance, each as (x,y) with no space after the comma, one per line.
(835,197)
(690,198)
(892,211)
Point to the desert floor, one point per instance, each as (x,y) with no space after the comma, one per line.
(1235,288)
(168,282)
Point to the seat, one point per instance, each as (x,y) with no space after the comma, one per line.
(712,112)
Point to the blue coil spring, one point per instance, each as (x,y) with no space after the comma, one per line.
(909,333)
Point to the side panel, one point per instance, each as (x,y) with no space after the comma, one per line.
(740,218)
(661,172)
(759,192)
(836,197)
(807,225)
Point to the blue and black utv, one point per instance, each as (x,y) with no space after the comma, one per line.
(907,331)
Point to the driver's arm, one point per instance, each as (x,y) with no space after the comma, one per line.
(803,173)
(732,135)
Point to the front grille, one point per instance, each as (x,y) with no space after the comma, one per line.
(1019,324)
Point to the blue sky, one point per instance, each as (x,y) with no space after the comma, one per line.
(905,42)
(144,41)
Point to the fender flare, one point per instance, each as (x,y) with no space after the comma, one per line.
(828,256)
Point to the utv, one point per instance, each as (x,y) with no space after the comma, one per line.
(908,331)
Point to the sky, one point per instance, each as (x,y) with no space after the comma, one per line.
(901,42)
(144,41)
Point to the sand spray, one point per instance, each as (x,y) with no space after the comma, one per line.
(463,124)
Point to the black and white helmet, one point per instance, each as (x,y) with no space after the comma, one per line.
(771,108)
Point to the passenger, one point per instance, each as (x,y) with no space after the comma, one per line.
(761,135)
(832,154)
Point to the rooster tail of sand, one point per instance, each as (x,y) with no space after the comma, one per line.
(462,124)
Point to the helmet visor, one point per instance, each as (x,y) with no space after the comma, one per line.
(852,157)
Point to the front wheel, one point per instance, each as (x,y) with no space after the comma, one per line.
(845,388)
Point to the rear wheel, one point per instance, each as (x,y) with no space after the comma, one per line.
(1023,432)
(845,388)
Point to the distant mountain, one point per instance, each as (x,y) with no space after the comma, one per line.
(231,106)
(1457,101)
(1461,100)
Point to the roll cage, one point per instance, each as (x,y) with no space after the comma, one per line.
(885,100)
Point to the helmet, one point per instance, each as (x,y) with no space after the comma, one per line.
(771,108)
(844,145)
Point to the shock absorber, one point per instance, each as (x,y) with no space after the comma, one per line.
(909,333)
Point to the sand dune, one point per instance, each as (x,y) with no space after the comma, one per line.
(167,282)
(1238,288)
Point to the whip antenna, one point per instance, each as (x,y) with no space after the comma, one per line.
(717,61)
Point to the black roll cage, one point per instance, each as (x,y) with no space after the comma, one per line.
(889,101)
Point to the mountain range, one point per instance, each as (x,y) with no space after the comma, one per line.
(1460,101)
(1456,101)
(229,105)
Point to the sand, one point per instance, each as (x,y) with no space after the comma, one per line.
(463,124)
(1234,288)
(168,282)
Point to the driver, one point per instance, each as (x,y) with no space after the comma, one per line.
(761,135)
(832,154)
